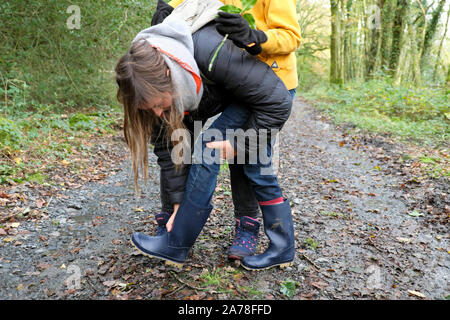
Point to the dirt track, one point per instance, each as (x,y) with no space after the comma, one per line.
(355,237)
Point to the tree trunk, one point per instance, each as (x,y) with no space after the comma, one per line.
(440,47)
(430,33)
(386,32)
(374,53)
(414,70)
(347,39)
(336,74)
(397,34)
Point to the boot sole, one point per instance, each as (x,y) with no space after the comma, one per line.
(167,261)
(234,257)
(281,265)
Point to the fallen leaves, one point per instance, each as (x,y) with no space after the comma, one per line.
(119,269)
(25,211)
(109,283)
(319,285)
(403,240)
(40,203)
(116,241)
(417,294)
(15,224)
(198,296)
(331,181)
(12,199)
(97,220)
(94,161)
(415,213)
(42,266)
(76,250)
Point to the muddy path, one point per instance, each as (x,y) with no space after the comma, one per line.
(357,236)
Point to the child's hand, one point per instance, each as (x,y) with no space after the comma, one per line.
(226,150)
(169,224)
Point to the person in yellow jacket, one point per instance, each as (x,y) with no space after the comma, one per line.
(277,35)
(275,40)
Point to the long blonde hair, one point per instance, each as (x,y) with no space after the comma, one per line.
(141,75)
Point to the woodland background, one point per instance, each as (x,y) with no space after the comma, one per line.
(364,160)
(381,66)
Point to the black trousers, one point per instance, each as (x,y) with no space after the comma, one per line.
(244,200)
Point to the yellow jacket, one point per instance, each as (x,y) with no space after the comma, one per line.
(278,19)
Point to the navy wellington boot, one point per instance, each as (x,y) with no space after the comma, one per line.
(279,228)
(174,246)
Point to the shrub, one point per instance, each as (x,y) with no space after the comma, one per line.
(56,65)
(10,136)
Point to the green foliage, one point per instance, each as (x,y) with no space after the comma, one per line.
(250,19)
(331,214)
(230,9)
(415,213)
(224,167)
(50,75)
(414,114)
(313,244)
(44,62)
(6,172)
(80,121)
(58,134)
(287,287)
(246,5)
(220,278)
(312,57)
(36,177)
(309,77)
(10,135)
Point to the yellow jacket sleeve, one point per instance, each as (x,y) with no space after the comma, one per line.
(281,27)
(278,19)
(175,3)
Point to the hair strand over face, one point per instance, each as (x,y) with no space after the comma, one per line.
(142,75)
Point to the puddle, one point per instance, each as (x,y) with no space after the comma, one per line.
(82,219)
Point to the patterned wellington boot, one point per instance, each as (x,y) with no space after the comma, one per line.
(245,238)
